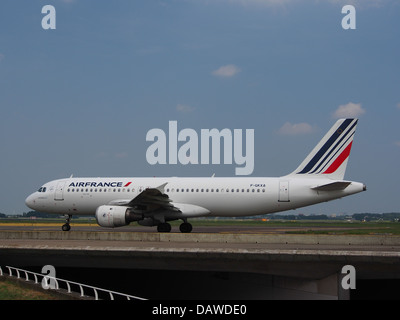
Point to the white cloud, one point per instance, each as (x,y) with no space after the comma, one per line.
(121,155)
(226,71)
(350,110)
(184,108)
(359,3)
(296,128)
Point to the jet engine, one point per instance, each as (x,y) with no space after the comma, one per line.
(115,216)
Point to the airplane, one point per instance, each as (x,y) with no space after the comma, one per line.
(117,202)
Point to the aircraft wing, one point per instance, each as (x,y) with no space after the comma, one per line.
(148,200)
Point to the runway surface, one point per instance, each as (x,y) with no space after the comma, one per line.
(222,229)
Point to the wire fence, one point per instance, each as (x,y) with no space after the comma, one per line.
(53,283)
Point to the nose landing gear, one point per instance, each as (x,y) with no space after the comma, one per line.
(66,226)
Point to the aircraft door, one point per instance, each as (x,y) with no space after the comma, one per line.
(59,193)
(283,191)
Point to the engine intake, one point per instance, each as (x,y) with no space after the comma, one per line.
(115,216)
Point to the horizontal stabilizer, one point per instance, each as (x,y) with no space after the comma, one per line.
(334,186)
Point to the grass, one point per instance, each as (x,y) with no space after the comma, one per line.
(314,226)
(12,290)
(355,228)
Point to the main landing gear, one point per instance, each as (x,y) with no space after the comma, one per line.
(66,226)
(185,227)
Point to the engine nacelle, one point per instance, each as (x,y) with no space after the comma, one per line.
(115,216)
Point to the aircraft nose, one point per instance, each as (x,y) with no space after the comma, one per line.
(30,201)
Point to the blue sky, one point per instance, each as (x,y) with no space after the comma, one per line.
(80,99)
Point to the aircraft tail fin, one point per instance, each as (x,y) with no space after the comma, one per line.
(330,156)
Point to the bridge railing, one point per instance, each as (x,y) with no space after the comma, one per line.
(50,282)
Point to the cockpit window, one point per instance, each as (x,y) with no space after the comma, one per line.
(42,189)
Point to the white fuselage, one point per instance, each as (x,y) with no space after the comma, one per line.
(225,197)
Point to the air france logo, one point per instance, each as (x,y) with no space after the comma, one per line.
(99,184)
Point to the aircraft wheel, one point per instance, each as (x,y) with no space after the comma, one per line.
(185,227)
(66,227)
(164,227)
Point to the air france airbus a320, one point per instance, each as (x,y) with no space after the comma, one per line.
(116,202)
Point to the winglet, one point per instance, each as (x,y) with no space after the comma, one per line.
(161,188)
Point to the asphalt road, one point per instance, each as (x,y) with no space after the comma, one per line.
(175,229)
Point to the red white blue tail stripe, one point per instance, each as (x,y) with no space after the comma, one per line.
(332,151)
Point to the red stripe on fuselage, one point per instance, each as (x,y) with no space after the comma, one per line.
(127,184)
(339,160)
